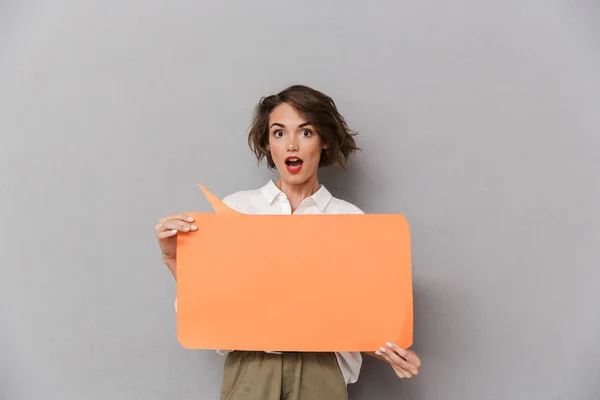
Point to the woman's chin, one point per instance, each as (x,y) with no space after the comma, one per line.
(294,179)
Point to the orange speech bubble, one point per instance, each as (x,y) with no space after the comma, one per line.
(334,282)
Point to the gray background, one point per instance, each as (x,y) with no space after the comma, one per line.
(478,120)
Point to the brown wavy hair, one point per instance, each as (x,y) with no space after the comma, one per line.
(313,106)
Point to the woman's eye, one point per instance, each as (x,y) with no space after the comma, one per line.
(278,133)
(306,132)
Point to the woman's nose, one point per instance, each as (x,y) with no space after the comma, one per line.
(293,145)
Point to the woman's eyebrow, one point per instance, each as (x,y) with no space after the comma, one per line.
(283,126)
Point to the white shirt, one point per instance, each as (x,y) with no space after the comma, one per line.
(270,200)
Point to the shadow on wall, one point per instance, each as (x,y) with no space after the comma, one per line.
(345,185)
(442,310)
(434,302)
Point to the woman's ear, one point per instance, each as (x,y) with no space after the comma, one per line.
(325,146)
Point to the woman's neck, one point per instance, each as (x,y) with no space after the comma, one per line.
(295,193)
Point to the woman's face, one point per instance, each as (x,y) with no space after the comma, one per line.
(294,144)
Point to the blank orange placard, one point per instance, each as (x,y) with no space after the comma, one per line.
(294,282)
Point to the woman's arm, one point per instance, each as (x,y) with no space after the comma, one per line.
(172,265)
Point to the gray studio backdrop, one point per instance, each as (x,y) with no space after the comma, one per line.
(478,120)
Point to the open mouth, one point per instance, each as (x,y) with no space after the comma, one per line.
(293,164)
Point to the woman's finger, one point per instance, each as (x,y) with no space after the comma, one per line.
(402,373)
(408,355)
(399,350)
(414,359)
(385,356)
(179,225)
(174,225)
(397,360)
(389,356)
(166,234)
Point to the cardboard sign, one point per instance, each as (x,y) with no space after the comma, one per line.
(294,282)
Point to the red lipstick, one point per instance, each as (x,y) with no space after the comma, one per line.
(293,164)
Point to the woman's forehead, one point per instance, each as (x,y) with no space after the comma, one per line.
(286,115)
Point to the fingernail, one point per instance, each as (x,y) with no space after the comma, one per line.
(382,349)
(173,230)
(186,228)
(378,352)
(194,227)
(389,344)
(190,219)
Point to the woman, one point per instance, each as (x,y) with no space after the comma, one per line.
(297,131)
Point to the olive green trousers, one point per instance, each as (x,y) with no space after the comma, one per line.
(253,375)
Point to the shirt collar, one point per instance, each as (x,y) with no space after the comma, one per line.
(321,197)
(270,191)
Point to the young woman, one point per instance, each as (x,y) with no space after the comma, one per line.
(297,130)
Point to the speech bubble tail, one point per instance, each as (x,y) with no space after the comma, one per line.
(215,202)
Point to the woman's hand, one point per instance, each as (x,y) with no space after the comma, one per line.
(166,231)
(405,363)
